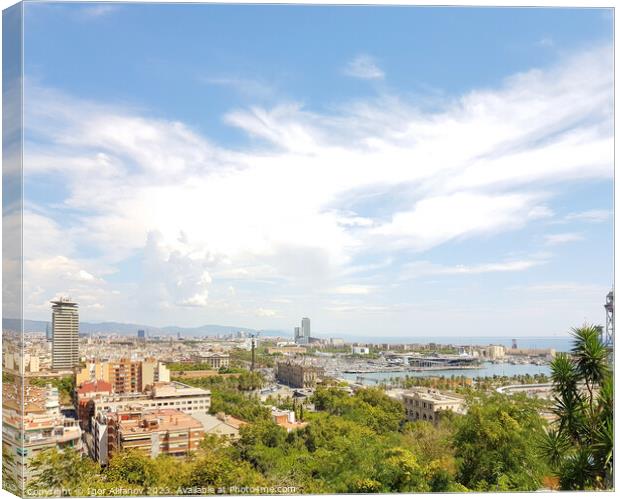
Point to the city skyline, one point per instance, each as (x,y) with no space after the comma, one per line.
(376,190)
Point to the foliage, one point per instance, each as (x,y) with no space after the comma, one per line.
(65,385)
(579,446)
(370,407)
(494,444)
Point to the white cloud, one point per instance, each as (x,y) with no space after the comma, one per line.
(566,237)
(422,268)
(352,289)
(593,216)
(436,220)
(266,312)
(365,67)
(294,207)
(95,11)
(245,86)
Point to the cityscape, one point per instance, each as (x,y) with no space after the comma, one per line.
(296,249)
(104,394)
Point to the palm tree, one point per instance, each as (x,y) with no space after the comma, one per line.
(579,445)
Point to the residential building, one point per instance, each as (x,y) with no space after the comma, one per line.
(154,371)
(173,395)
(31,423)
(125,375)
(93,371)
(298,375)
(65,334)
(155,432)
(426,404)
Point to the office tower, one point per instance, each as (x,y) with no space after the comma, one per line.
(65,333)
(297,334)
(141,334)
(305,330)
(48,332)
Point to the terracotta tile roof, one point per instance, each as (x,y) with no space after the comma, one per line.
(94,386)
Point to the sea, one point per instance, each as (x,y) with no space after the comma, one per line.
(559,343)
(486,369)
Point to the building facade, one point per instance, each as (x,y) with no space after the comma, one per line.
(152,432)
(427,404)
(65,334)
(298,375)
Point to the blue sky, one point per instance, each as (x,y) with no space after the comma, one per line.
(385,171)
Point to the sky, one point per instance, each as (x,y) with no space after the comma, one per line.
(386,171)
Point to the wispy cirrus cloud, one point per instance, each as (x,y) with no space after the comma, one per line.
(563,238)
(318,194)
(364,67)
(97,10)
(424,268)
(245,86)
(592,216)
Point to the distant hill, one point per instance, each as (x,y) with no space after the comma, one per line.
(121,328)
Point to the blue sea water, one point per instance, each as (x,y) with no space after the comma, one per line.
(486,369)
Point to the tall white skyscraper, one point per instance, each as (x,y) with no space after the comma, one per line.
(305,330)
(65,334)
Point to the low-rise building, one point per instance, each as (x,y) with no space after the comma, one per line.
(298,375)
(220,424)
(496,352)
(360,350)
(427,404)
(287,420)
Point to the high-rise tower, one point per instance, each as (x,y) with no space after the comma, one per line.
(305,330)
(65,334)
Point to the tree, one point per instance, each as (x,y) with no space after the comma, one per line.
(63,470)
(494,444)
(579,446)
(9,475)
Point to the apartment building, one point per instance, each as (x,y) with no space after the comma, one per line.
(125,375)
(173,395)
(162,431)
(427,404)
(31,423)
